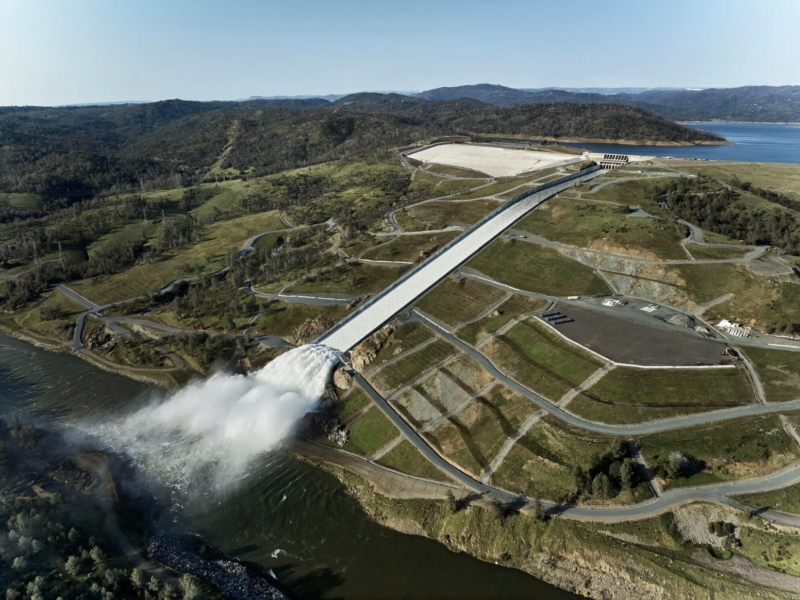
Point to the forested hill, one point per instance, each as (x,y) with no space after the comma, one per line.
(749,103)
(68,154)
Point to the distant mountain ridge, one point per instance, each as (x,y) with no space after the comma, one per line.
(749,103)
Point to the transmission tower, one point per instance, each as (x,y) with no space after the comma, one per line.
(144,215)
(35,254)
(60,255)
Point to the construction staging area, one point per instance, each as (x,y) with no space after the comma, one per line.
(492,160)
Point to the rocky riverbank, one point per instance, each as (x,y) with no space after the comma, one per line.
(233,578)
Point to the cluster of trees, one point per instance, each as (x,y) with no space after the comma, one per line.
(608,475)
(54,544)
(781,199)
(218,297)
(678,465)
(715,207)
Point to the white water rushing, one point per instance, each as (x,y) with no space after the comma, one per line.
(210,431)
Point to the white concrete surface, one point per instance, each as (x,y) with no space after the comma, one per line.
(416,283)
(497,162)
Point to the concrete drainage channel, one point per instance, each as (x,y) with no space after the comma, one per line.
(384,306)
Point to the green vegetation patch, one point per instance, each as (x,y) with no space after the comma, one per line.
(349,278)
(411,366)
(739,449)
(474,436)
(779,372)
(405,337)
(540,360)
(351,404)
(370,432)
(629,395)
(605,227)
(454,171)
(773,306)
(537,269)
(510,309)
(780,178)
(285,318)
(454,300)
(204,257)
(407,459)
(428,185)
(55,317)
(552,460)
(410,248)
(435,215)
(785,499)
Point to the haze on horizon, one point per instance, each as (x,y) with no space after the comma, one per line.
(54,53)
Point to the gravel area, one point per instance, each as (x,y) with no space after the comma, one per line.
(497,162)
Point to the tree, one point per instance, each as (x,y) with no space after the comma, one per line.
(137,578)
(601,486)
(537,510)
(73,565)
(190,586)
(627,475)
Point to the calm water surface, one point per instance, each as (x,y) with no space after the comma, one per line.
(287,516)
(753,142)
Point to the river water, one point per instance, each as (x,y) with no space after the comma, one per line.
(287,516)
(752,142)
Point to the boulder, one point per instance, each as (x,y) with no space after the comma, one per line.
(342,379)
(366,351)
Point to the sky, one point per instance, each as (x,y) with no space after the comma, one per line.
(56,52)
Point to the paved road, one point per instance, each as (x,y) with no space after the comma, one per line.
(407,289)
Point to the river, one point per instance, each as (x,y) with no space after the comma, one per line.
(287,516)
(752,142)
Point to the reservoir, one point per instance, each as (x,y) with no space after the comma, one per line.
(752,142)
(287,516)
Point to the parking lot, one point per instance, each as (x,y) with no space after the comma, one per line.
(628,341)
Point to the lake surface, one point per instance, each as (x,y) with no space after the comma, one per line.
(753,142)
(288,516)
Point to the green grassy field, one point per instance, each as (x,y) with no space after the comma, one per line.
(407,459)
(408,368)
(434,215)
(354,401)
(537,269)
(540,463)
(503,185)
(633,193)
(454,301)
(428,185)
(785,499)
(775,307)
(355,279)
(779,372)
(739,449)
(408,247)
(628,395)
(370,432)
(204,257)
(510,309)
(540,360)
(283,318)
(30,202)
(710,253)
(474,436)
(779,178)
(405,337)
(595,225)
(55,317)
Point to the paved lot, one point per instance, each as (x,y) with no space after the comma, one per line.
(627,341)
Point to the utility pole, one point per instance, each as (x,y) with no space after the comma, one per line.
(163,216)
(144,215)
(60,255)
(35,254)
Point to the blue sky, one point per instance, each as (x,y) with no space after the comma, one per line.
(73,51)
